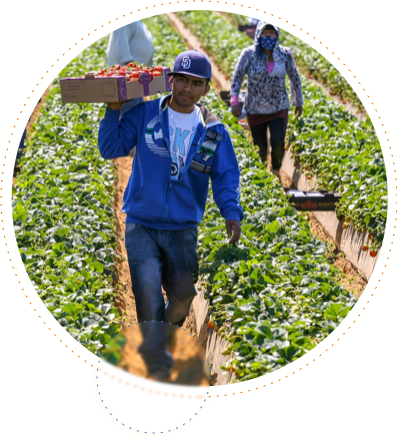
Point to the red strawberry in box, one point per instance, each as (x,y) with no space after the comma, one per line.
(118,83)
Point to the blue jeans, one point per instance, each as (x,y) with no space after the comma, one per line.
(153,349)
(161,258)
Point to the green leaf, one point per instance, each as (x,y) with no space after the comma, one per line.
(19,212)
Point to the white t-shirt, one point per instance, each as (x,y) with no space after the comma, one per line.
(182,129)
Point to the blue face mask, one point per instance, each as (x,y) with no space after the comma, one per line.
(267,42)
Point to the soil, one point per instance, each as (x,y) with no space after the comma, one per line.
(351,279)
(188,356)
(125,301)
(33,119)
(189,359)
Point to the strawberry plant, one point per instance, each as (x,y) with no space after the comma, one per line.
(312,64)
(274,296)
(343,153)
(63,216)
(112,352)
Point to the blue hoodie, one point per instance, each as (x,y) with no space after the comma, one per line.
(151,198)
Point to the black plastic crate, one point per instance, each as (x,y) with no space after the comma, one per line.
(312,200)
(248,29)
(225,96)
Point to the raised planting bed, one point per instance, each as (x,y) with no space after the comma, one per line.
(354,245)
(273,297)
(329,142)
(63,216)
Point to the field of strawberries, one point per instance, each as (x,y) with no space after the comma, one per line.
(343,153)
(310,63)
(272,297)
(63,215)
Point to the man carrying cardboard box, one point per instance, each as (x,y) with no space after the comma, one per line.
(179,146)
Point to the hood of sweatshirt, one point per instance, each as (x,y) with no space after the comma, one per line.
(259,28)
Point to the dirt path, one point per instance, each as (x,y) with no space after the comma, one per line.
(351,279)
(125,301)
(189,360)
(188,356)
(33,119)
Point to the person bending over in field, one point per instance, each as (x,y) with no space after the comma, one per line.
(267,103)
(179,146)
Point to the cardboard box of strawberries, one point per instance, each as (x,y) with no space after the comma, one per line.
(118,83)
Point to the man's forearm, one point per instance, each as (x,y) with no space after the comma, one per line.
(115,140)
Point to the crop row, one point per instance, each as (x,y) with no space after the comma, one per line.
(343,153)
(311,63)
(272,298)
(63,216)
(275,295)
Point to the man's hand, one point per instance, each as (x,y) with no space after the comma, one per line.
(236,110)
(233,225)
(117,106)
(298,111)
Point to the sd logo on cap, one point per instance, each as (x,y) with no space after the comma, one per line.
(192,63)
(186,62)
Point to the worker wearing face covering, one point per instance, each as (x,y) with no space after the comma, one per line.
(267,103)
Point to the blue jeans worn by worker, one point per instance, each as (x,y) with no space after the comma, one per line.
(161,258)
(153,348)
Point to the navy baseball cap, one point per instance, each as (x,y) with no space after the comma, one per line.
(192,63)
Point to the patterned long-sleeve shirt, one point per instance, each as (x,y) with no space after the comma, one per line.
(266,92)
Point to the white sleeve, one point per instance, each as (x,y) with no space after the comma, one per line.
(149,47)
(132,42)
(123,47)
